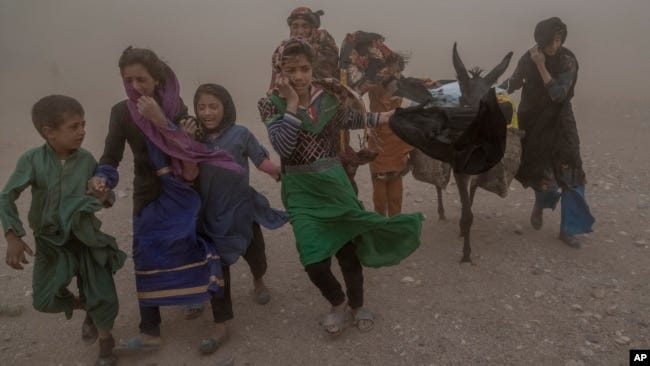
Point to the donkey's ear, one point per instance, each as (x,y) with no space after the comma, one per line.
(498,70)
(461,71)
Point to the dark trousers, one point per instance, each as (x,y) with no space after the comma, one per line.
(150,320)
(321,275)
(255,256)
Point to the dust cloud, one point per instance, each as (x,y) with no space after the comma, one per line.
(72,46)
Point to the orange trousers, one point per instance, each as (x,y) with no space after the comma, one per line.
(387,195)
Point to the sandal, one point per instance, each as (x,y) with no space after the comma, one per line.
(139,343)
(363,320)
(334,322)
(89,332)
(211,345)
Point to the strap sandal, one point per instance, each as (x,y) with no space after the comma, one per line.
(363,320)
(334,322)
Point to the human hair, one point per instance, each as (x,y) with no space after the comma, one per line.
(398,59)
(546,30)
(296,47)
(156,67)
(50,111)
(221,93)
(363,41)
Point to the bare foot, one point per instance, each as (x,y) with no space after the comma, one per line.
(261,294)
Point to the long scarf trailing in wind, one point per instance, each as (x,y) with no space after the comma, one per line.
(172,140)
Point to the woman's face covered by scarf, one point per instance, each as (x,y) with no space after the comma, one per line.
(137,77)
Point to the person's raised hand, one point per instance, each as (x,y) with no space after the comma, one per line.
(149,108)
(189,125)
(537,55)
(285,90)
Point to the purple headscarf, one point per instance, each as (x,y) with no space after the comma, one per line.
(171,140)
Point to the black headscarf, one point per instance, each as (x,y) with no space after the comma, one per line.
(546,30)
(229,111)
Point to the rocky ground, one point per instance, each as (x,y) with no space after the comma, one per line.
(528,298)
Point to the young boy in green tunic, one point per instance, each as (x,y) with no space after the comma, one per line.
(67,234)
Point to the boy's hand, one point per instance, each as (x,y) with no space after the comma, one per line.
(16,249)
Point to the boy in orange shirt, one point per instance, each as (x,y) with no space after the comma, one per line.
(391,164)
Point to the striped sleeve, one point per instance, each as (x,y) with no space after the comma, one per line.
(283,129)
(283,134)
(354,120)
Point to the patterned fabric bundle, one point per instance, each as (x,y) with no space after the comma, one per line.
(363,56)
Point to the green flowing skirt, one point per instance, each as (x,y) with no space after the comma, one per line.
(326,214)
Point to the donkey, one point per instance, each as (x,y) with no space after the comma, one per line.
(473,86)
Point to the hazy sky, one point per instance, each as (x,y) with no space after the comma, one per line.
(72,46)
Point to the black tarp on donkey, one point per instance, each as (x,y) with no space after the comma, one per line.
(471,142)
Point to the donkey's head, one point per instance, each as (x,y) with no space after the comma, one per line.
(473,86)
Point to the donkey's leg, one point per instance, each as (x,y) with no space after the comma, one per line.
(441,207)
(472,192)
(466,217)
